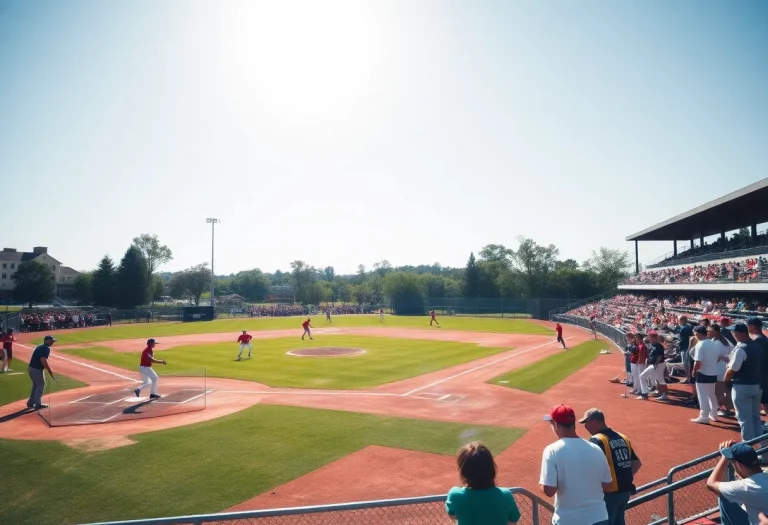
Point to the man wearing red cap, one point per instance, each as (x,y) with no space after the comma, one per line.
(575,472)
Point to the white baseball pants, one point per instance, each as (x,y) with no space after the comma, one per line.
(149,376)
(652,374)
(242,346)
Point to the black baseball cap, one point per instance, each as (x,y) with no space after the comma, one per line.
(700,329)
(49,338)
(151,341)
(755,321)
(740,328)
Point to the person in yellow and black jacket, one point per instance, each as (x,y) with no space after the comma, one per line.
(622,461)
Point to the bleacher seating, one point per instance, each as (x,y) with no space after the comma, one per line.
(746,271)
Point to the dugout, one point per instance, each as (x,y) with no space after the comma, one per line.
(197,313)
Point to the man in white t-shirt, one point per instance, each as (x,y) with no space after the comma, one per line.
(741,501)
(575,472)
(706,355)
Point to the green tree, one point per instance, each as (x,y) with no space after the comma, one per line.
(84,288)
(406,293)
(496,253)
(132,282)
(155,254)
(472,278)
(157,288)
(35,283)
(535,263)
(193,283)
(382,267)
(104,282)
(251,284)
(329,273)
(341,291)
(362,293)
(610,268)
(303,277)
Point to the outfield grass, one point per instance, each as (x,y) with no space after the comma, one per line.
(206,467)
(17,385)
(542,375)
(143,330)
(386,360)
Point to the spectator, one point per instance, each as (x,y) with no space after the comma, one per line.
(740,501)
(755,326)
(721,393)
(654,373)
(744,373)
(686,332)
(705,356)
(622,460)
(479,501)
(575,472)
(642,358)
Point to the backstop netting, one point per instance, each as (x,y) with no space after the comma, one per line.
(115,400)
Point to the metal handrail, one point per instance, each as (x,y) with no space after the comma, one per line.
(575,304)
(316,509)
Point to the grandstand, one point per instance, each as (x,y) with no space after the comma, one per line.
(728,229)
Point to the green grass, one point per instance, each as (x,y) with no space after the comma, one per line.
(206,467)
(17,386)
(542,375)
(4,309)
(143,330)
(386,360)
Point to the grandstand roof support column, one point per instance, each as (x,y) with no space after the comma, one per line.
(722,236)
(754,230)
(701,241)
(637,260)
(674,250)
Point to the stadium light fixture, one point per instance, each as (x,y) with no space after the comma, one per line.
(213,223)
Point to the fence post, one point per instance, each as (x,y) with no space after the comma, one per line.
(535,512)
(671,508)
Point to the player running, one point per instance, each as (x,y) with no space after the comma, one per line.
(7,340)
(432,318)
(245,342)
(559,330)
(306,324)
(145,369)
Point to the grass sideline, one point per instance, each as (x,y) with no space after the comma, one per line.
(206,467)
(17,385)
(144,330)
(386,360)
(541,376)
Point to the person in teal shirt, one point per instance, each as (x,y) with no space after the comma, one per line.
(479,501)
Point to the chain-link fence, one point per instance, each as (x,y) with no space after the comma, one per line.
(426,510)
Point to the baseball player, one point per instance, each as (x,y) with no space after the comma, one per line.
(328,315)
(306,326)
(559,330)
(7,340)
(381,315)
(145,369)
(592,325)
(245,342)
(432,318)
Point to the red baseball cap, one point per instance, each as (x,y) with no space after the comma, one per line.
(562,414)
(653,332)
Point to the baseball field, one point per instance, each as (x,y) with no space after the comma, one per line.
(383,406)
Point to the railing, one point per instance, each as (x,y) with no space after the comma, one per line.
(711,256)
(405,511)
(611,332)
(573,305)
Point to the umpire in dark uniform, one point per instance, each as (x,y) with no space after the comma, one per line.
(37,364)
(622,460)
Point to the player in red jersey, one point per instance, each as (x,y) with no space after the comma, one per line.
(381,315)
(245,342)
(306,326)
(7,340)
(559,330)
(432,318)
(145,369)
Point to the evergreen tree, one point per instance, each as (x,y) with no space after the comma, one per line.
(472,277)
(132,283)
(103,283)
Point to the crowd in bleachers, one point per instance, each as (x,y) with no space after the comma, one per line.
(56,320)
(287,310)
(730,245)
(750,270)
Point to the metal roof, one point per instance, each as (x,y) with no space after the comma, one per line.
(738,209)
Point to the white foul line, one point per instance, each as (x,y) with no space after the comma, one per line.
(480,367)
(304,393)
(87,366)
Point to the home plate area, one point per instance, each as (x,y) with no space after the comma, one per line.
(119,403)
(440,397)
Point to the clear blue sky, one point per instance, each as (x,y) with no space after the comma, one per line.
(348,132)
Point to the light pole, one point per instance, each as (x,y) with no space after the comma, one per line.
(213,223)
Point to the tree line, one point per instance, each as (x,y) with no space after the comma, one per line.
(531,270)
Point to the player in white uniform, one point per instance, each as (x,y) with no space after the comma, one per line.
(381,315)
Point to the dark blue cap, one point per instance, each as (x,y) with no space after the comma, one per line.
(700,329)
(755,321)
(741,328)
(742,453)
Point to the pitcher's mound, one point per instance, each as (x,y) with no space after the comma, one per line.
(325,351)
